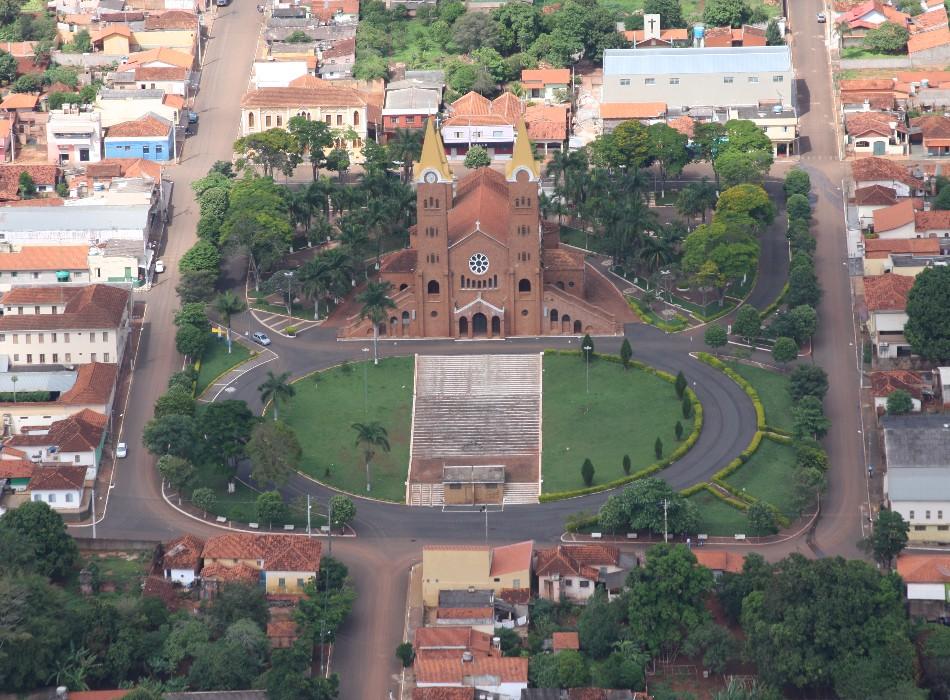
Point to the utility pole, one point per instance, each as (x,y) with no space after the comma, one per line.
(330,526)
(485,511)
(666,529)
(93,509)
(308,515)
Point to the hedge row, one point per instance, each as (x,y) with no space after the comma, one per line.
(773,307)
(581,523)
(741,381)
(643,314)
(25,396)
(681,450)
(737,503)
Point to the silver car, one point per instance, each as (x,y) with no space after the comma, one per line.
(261,338)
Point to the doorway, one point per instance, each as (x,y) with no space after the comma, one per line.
(479,324)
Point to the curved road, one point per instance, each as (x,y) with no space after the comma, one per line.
(390,535)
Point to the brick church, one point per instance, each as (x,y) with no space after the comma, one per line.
(482,263)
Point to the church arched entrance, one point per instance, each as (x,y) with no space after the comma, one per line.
(479,324)
(463,327)
(495,326)
(565,324)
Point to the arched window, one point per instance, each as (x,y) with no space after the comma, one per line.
(250,120)
(524,285)
(577,326)
(403,286)
(356,118)
(553,315)
(559,284)
(405,318)
(432,287)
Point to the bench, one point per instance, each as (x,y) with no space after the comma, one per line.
(253,526)
(288,527)
(221,519)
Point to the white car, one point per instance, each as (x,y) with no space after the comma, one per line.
(821,18)
(121,450)
(159,266)
(261,338)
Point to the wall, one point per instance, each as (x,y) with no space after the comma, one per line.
(113,268)
(901,189)
(700,89)
(178,39)
(70,347)
(170,87)
(926,591)
(895,62)
(453,569)
(156,148)
(61,499)
(255,119)
(295,581)
(8,279)
(116,44)
(183,576)
(34,414)
(905,231)
(117,111)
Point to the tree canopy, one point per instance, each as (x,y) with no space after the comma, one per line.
(928,324)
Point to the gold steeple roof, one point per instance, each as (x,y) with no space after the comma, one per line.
(433,155)
(523,154)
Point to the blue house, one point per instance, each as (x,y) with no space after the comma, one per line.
(149,137)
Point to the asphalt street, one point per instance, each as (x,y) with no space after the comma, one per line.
(390,536)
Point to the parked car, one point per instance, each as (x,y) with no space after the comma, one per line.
(261,338)
(159,266)
(192,117)
(121,450)
(821,18)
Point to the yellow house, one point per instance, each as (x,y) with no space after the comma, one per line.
(284,563)
(114,40)
(899,256)
(452,567)
(175,39)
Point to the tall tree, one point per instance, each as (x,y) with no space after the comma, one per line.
(670,12)
(275,150)
(724,13)
(405,146)
(276,388)
(888,538)
(275,452)
(172,434)
(227,305)
(928,325)
(313,139)
(370,437)
(224,427)
(376,304)
(696,199)
(668,150)
(45,545)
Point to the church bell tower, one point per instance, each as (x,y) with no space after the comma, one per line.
(523,174)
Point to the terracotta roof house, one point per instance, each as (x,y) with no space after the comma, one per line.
(934,131)
(60,487)
(573,571)
(97,315)
(900,256)
(548,126)
(19,100)
(507,676)
(149,137)
(460,567)
(181,560)
(476,120)
(238,573)
(932,224)
(452,642)
(885,382)
(924,44)
(550,84)
(895,221)
(614,114)
(875,195)
(875,132)
(667,38)
(171,19)
(285,562)
(684,124)
(44,178)
(880,171)
(885,297)
(340,107)
(161,57)
(926,577)
(76,440)
(565,640)
(719,561)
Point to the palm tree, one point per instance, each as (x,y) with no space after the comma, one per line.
(227,305)
(405,145)
(376,302)
(312,282)
(276,388)
(371,436)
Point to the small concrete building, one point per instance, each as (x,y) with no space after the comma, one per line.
(74,136)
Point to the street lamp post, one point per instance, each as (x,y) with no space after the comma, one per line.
(365,385)
(289,274)
(14,379)
(587,349)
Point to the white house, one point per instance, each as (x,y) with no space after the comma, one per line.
(60,487)
(886,299)
(43,264)
(896,221)
(76,440)
(64,325)
(868,200)
(888,173)
(886,382)
(926,577)
(181,561)
(942,379)
(573,571)
(73,136)
(552,84)
(917,481)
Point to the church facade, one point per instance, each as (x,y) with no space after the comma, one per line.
(481,262)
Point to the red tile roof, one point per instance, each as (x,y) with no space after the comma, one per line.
(111,30)
(924,568)
(148,125)
(108,168)
(683,124)
(933,126)
(43,175)
(183,553)
(508,669)
(504,109)
(633,110)
(346,47)
(512,558)
(565,640)
(19,100)
(238,572)
(563,259)
(449,641)
(401,261)
(443,693)
(57,478)
(80,432)
(46,257)
(162,55)
(861,123)
(90,307)
(933,220)
(882,247)
(895,216)
(872,168)
(719,560)
(166,73)
(16,468)
(927,21)
(884,382)
(576,560)
(325,10)
(323,96)
(547,123)
(934,78)
(875,195)
(887,292)
(636,36)
(874,100)
(481,197)
(545,76)
(277,552)
(95,382)
(928,40)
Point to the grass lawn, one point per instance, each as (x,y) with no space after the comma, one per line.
(624,413)
(576,237)
(217,360)
(858,52)
(121,573)
(716,517)
(773,390)
(323,412)
(768,475)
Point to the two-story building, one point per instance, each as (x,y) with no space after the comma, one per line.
(76,440)
(43,264)
(550,85)
(28,121)
(886,301)
(449,567)
(149,137)
(69,325)
(474,120)
(73,136)
(87,221)
(411,101)
(285,563)
(353,114)
(116,106)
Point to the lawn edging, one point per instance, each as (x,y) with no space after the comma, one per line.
(197,366)
(743,383)
(681,450)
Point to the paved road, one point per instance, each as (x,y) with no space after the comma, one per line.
(390,535)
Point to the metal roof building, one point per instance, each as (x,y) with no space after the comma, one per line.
(729,59)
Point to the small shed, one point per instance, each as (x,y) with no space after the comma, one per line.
(470,485)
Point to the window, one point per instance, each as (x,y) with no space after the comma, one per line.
(146,149)
(69,496)
(727,80)
(105,357)
(329,119)
(515,582)
(584,584)
(282,583)
(16,339)
(36,309)
(624,82)
(280,120)
(919,528)
(267,120)
(356,118)
(39,337)
(524,285)
(159,149)
(65,337)
(69,357)
(105,336)
(36,275)
(300,583)
(927,514)
(943,528)
(16,357)
(339,120)
(568,582)
(250,120)
(52,337)
(753,78)
(649,81)
(29,359)
(778,78)
(55,357)
(92,357)
(911,515)
(42,358)
(28,338)
(432,287)
(674,81)
(497,580)
(939,515)
(3,337)
(84,154)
